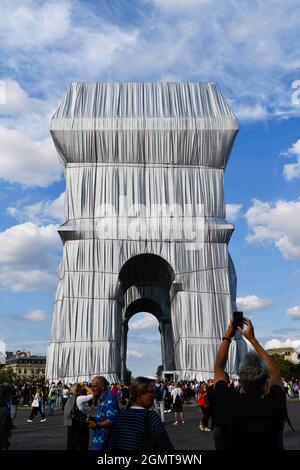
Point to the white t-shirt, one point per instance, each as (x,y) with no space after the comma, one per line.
(175,392)
(81,402)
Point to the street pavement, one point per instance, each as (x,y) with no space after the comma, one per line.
(51,435)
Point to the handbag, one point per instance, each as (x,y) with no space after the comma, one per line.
(200,401)
(35,403)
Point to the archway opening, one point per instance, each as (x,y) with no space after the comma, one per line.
(143,345)
(145,283)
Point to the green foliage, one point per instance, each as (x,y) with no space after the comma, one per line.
(128,377)
(159,372)
(8,376)
(288,369)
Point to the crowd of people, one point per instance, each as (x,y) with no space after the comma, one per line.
(131,418)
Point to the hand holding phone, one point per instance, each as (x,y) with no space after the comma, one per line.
(238,320)
(91,418)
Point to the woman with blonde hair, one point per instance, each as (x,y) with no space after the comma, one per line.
(139,428)
(36,406)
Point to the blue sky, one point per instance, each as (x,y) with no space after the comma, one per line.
(249,48)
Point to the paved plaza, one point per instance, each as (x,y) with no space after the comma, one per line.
(51,435)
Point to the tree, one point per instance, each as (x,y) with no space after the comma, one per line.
(8,376)
(159,372)
(128,377)
(288,370)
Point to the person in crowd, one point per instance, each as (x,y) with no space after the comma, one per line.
(159,399)
(189,393)
(51,399)
(253,418)
(15,399)
(168,399)
(107,410)
(59,392)
(65,396)
(76,410)
(36,406)
(5,419)
(138,428)
(124,395)
(207,406)
(200,401)
(26,394)
(177,397)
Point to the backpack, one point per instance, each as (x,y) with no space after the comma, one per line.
(177,400)
(158,393)
(71,401)
(52,394)
(78,418)
(73,416)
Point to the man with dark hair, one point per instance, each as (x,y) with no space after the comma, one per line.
(255,416)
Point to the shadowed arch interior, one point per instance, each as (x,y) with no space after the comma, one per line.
(147,270)
(144,305)
(145,282)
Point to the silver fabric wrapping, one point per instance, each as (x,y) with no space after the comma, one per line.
(144,165)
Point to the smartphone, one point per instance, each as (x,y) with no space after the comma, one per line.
(238,320)
(91,418)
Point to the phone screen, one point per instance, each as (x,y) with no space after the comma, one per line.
(238,320)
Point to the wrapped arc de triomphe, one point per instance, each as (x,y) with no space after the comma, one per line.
(145,227)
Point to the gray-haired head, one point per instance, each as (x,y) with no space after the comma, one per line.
(100,381)
(253,373)
(75,389)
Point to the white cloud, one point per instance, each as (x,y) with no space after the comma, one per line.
(28,244)
(146,323)
(44,211)
(17,100)
(294,312)
(288,343)
(66,40)
(34,24)
(233,211)
(27,162)
(29,256)
(70,42)
(27,281)
(175,5)
(292,170)
(278,224)
(133,354)
(252,303)
(254,112)
(35,316)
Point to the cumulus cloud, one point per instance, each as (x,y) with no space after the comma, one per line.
(278,224)
(16,100)
(133,354)
(146,323)
(66,38)
(288,343)
(233,211)
(250,66)
(35,316)
(27,281)
(252,303)
(27,162)
(294,312)
(292,170)
(33,24)
(29,256)
(40,212)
